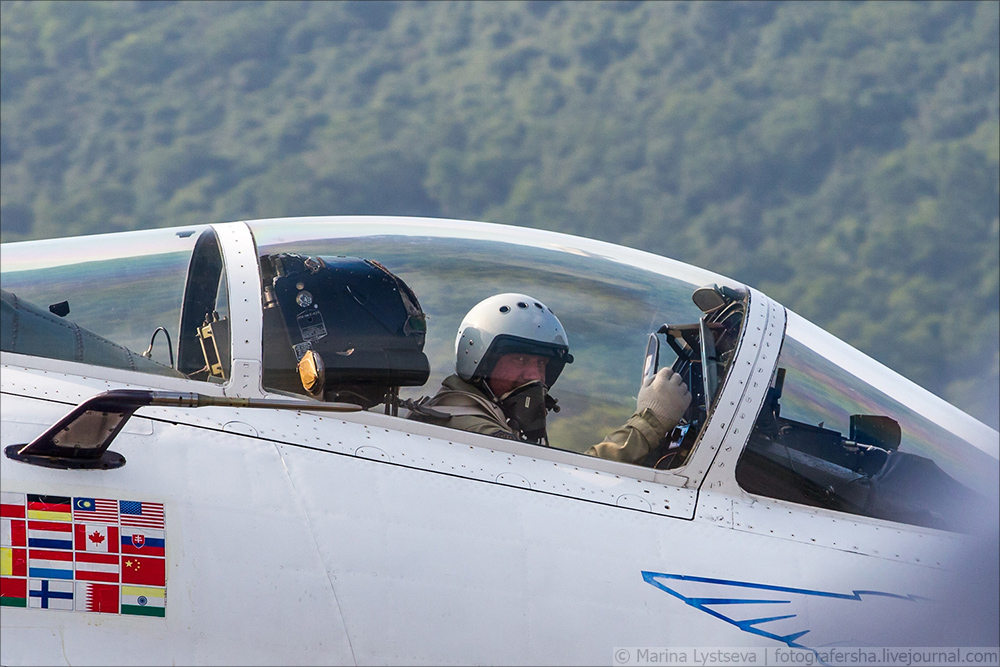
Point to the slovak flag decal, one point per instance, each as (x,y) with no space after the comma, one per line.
(142,541)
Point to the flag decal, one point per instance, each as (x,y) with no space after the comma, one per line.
(83,554)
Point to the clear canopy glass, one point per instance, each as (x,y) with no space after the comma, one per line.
(607,306)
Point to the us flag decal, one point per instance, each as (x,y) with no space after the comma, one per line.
(98,555)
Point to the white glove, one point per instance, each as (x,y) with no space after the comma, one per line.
(666,396)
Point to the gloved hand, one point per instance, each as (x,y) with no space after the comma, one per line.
(666,396)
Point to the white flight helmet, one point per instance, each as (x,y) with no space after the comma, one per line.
(507,323)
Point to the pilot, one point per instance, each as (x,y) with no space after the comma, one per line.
(509,351)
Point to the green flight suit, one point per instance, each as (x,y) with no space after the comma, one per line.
(472,410)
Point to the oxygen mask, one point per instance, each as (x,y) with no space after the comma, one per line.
(526,407)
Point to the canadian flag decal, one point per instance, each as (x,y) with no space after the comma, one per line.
(96,537)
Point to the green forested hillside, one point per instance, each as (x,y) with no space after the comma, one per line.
(843,157)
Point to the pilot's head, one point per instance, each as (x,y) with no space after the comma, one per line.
(508,341)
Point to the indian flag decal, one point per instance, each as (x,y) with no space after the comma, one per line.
(144,601)
(83,554)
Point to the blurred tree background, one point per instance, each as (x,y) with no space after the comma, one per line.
(844,157)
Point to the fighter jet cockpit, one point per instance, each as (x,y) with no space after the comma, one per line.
(608,308)
(365,311)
